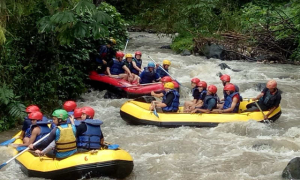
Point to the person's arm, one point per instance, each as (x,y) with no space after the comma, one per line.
(233,104)
(46,142)
(157,77)
(277,102)
(168,101)
(258,97)
(108,71)
(126,69)
(33,136)
(135,66)
(158,95)
(48,148)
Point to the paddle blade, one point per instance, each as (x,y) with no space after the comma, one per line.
(21,148)
(2,165)
(113,146)
(5,143)
(155,113)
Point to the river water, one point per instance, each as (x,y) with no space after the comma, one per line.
(235,151)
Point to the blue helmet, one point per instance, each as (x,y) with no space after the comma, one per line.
(151,64)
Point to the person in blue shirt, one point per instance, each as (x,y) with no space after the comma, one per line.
(170,102)
(37,129)
(162,70)
(64,136)
(202,85)
(27,121)
(149,74)
(209,102)
(137,62)
(105,55)
(117,67)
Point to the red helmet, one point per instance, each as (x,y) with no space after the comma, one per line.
(271,84)
(202,84)
(166,79)
(88,111)
(37,115)
(212,88)
(77,112)
(138,53)
(119,54)
(70,105)
(225,77)
(32,108)
(195,80)
(229,87)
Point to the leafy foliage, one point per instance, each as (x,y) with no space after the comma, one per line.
(48,52)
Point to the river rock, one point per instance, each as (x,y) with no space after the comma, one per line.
(165,47)
(292,170)
(224,66)
(219,74)
(214,51)
(111,95)
(186,53)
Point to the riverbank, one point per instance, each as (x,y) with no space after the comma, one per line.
(231,46)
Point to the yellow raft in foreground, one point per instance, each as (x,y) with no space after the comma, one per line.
(136,112)
(103,162)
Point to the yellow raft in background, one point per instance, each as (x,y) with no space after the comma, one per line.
(137,112)
(103,162)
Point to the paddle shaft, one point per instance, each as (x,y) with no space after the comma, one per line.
(164,70)
(26,149)
(126,46)
(259,108)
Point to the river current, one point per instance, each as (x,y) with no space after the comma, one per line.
(233,151)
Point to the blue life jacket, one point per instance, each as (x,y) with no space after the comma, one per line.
(237,89)
(175,103)
(161,72)
(77,123)
(129,65)
(91,138)
(202,95)
(193,91)
(43,127)
(138,64)
(228,102)
(117,67)
(147,76)
(206,100)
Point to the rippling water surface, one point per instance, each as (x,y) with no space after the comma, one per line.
(235,151)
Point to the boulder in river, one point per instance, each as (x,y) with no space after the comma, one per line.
(165,47)
(224,66)
(186,53)
(292,170)
(214,51)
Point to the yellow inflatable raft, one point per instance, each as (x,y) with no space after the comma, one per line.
(137,112)
(103,162)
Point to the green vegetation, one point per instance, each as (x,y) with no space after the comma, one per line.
(46,51)
(277,21)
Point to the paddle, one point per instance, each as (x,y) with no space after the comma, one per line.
(5,143)
(265,120)
(4,164)
(138,85)
(125,46)
(154,111)
(165,71)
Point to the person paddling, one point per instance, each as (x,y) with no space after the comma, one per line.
(164,80)
(170,102)
(137,62)
(117,67)
(232,101)
(63,135)
(268,100)
(105,55)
